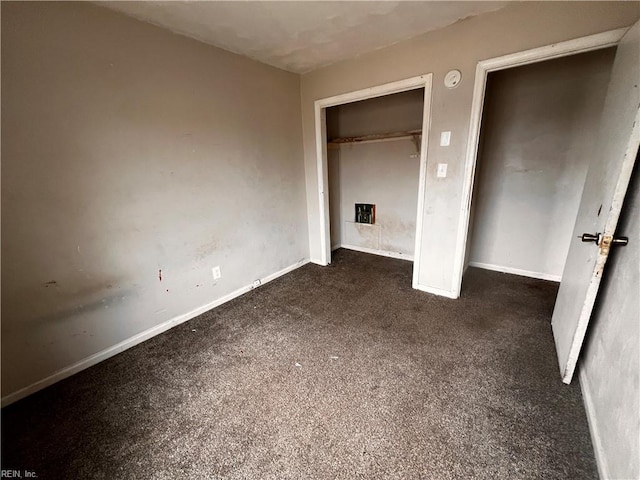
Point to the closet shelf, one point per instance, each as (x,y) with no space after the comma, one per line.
(376,137)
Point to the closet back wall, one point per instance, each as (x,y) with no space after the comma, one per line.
(384,173)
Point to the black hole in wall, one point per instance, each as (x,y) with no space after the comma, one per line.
(365,213)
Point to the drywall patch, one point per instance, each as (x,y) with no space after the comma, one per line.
(362,235)
(397,234)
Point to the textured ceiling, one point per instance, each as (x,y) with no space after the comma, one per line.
(301,36)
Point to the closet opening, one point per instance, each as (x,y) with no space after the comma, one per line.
(371,148)
(539,126)
(373,157)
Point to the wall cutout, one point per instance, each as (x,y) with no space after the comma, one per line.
(365,213)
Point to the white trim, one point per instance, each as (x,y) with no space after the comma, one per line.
(435,291)
(378,91)
(323,179)
(373,251)
(517,271)
(137,339)
(413,83)
(422,181)
(556,50)
(598,450)
(282,272)
(548,52)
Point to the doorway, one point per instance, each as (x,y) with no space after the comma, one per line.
(539,126)
(374,163)
(422,82)
(483,70)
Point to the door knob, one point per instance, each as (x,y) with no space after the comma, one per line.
(597,239)
(620,241)
(588,237)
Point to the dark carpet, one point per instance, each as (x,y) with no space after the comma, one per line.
(328,372)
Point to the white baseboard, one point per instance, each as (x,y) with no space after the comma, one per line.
(601,459)
(280,273)
(373,251)
(516,271)
(139,338)
(435,291)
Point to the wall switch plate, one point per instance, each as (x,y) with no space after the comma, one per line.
(442,170)
(445,139)
(216,273)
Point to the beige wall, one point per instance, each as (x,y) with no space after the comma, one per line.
(517,27)
(610,366)
(127,150)
(398,112)
(539,127)
(383,173)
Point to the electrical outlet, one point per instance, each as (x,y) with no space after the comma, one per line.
(256,283)
(216,273)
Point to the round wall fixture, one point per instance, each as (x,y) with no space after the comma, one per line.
(452,78)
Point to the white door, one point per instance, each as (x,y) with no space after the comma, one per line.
(606,184)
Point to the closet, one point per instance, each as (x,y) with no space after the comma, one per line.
(373,166)
(538,130)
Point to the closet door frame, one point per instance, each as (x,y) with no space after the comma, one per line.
(483,68)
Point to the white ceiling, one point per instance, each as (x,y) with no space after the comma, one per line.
(301,36)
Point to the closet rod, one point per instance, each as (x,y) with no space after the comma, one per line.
(376,137)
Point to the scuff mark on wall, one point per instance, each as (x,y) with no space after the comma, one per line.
(362,235)
(397,234)
(40,320)
(207,249)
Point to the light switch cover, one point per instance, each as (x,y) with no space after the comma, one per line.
(442,170)
(445,139)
